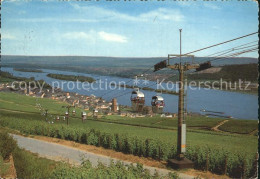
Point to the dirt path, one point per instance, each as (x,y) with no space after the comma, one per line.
(217,126)
(253,132)
(73,155)
(1,109)
(159,121)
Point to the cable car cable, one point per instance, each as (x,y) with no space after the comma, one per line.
(216,44)
(143,87)
(231,55)
(128,81)
(229,51)
(231,48)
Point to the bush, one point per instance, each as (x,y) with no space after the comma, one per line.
(215,160)
(7,145)
(28,165)
(3,167)
(114,170)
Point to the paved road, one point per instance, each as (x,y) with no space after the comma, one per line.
(61,152)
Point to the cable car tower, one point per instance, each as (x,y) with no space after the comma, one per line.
(180,162)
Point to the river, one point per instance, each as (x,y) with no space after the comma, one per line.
(235,104)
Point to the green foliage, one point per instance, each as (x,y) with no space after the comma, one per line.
(8,77)
(114,170)
(147,147)
(166,123)
(7,145)
(3,167)
(29,165)
(239,126)
(72,77)
(148,141)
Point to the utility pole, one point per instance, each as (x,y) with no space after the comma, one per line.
(67,112)
(180,45)
(180,162)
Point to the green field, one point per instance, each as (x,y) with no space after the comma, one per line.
(158,143)
(166,123)
(240,126)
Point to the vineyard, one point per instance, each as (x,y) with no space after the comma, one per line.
(220,153)
(235,164)
(163,122)
(30,165)
(114,170)
(239,126)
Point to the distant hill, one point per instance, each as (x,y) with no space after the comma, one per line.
(245,72)
(118,66)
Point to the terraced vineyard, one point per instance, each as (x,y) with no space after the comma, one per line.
(239,126)
(234,153)
(30,165)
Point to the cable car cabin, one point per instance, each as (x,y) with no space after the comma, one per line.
(137,99)
(157,104)
(204,66)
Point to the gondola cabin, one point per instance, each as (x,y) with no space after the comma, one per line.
(137,100)
(157,104)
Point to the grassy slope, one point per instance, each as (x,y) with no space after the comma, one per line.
(30,165)
(27,165)
(167,122)
(239,126)
(243,143)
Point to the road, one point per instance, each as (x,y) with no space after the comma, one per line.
(60,152)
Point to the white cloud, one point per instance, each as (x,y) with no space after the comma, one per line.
(93,35)
(112,37)
(162,14)
(102,14)
(215,27)
(21,12)
(211,6)
(55,20)
(91,14)
(79,35)
(185,3)
(7,36)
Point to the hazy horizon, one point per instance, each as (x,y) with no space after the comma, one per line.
(124,29)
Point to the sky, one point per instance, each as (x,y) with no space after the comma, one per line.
(123,28)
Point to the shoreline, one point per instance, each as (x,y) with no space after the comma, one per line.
(251,92)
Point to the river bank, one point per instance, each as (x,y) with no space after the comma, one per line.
(197,98)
